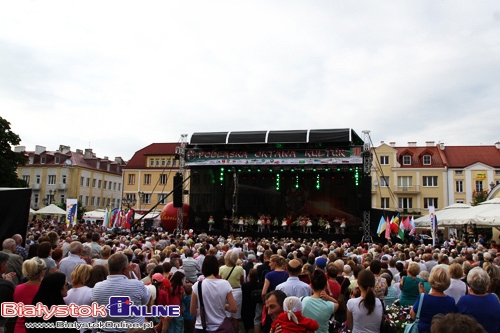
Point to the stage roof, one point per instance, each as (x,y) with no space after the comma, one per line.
(338,136)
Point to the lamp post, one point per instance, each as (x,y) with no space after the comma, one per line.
(49,199)
(141,195)
(129,201)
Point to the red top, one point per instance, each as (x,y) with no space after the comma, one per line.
(23,294)
(289,326)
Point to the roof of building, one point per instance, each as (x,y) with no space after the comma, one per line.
(463,156)
(139,160)
(417,154)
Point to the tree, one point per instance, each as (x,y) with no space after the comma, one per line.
(10,160)
(478,197)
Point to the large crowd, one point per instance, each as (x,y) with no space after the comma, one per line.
(252,285)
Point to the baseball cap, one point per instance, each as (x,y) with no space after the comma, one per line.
(321,262)
(158,277)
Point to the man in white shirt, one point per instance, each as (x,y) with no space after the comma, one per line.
(293,286)
(67,264)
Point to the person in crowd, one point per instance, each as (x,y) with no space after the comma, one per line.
(291,319)
(234,274)
(424,275)
(455,322)
(436,301)
(67,264)
(95,248)
(333,288)
(6,287)
(53,289)
(317,307)
(494,286)
(190,266)
(44,252)
(20,249)
(274,306)
(80,293)
(293,286)
(247,303)
(97,274)
(457,287)
(392,294)
(364,313)
(176,293)
(57,255)
(380,283)
(118,283)
(409,285)
(162,290)
(34,271)
(480,304)
(277,274)
(105,252)
(15,261)
(188,317)
(217,297)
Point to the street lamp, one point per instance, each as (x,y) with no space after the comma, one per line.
(49,199)
(129,200)
(141,195)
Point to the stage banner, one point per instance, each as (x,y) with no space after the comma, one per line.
(71,210)
(325,156)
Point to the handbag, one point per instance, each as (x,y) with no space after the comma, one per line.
(413,327)
(225,327)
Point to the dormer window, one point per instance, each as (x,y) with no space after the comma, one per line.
(42,160)
(407,160)
(427,159)
(57,159)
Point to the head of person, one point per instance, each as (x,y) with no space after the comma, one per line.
(456,271)
(318,280)
(455,322)
(424,275)
(44,249)
(478,280)
(277,262)
(375,266)
(4,262)
(294,267)
(231,258)
(118,264)
(9,244)
(388,277)
(274,303)
(80,275)
(413,268)
(75,248)
(210,266)
(97,274)
(105,251)
(332,270)
(34,269)
(253,276)
(366,281)
(52,291)
(439,279)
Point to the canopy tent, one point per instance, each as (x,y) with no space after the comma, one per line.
(32,211)
(51,210)
(487,213)
(455,214)
(95,214)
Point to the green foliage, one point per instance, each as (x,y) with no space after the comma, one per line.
(10,160)
(478,197)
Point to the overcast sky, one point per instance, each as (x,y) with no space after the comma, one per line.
(116,76)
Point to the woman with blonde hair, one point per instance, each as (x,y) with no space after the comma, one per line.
(457,287)
(80,294)
(234,274)
(34,270)
(277,275)
(409,285)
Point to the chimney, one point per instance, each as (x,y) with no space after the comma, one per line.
(39,149)
(392,144)
(381,142)
(497,145)
(429,143)
(441,145)
(88,153)
(412,144)
(79,151)
(105,158)
(64,149)
(20,149)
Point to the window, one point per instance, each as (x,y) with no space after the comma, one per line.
(86,200)
(151,162)
(406,160)
(163,162)
(459,186)
(384,160)
(88,182)
(98,201)
(80,198)
(93,182)
(405,203)
(82,179)
(428,202)
(384,181)
(62,198)
(461,201)
(56,161)
(174,163)
(384,203)
(119,187)
(162,198)
(109,186)
(430,181)
(92,201)
(427,159)
(63,179)
(99,183)
(479,186)
(157,162)
(26,178)
(497,172)
(109,200)
(168,162)
(147,179)
(163,179)
(35,200)
(105,184)
(459,172)
(131,179)
(146,198)
(38,179)
(51,180)
(42,160)
(405,181)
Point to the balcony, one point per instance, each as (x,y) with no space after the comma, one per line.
(35,187)
(61,186)
(411,189)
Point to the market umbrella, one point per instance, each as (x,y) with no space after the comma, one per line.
(451,215)
(51,210)
(487,213)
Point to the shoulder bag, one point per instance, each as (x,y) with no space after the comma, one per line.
(413,327)
(225,327)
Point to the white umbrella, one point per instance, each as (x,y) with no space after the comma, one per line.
(51,210)
(448,216)
(487,213)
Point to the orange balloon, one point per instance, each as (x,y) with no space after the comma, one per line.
(168,216)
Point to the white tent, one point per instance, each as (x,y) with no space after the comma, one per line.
(51,210)
(487,213)
(95,214)
(455,214)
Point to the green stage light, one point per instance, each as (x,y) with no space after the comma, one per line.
(258,170)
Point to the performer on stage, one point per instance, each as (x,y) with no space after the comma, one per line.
(308,226)
(260,224)
(337,225)
(303,224)
(284,223)
(225,222)
(268,223)
(241,224)
(343,226)
(327,226)
(210,222)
